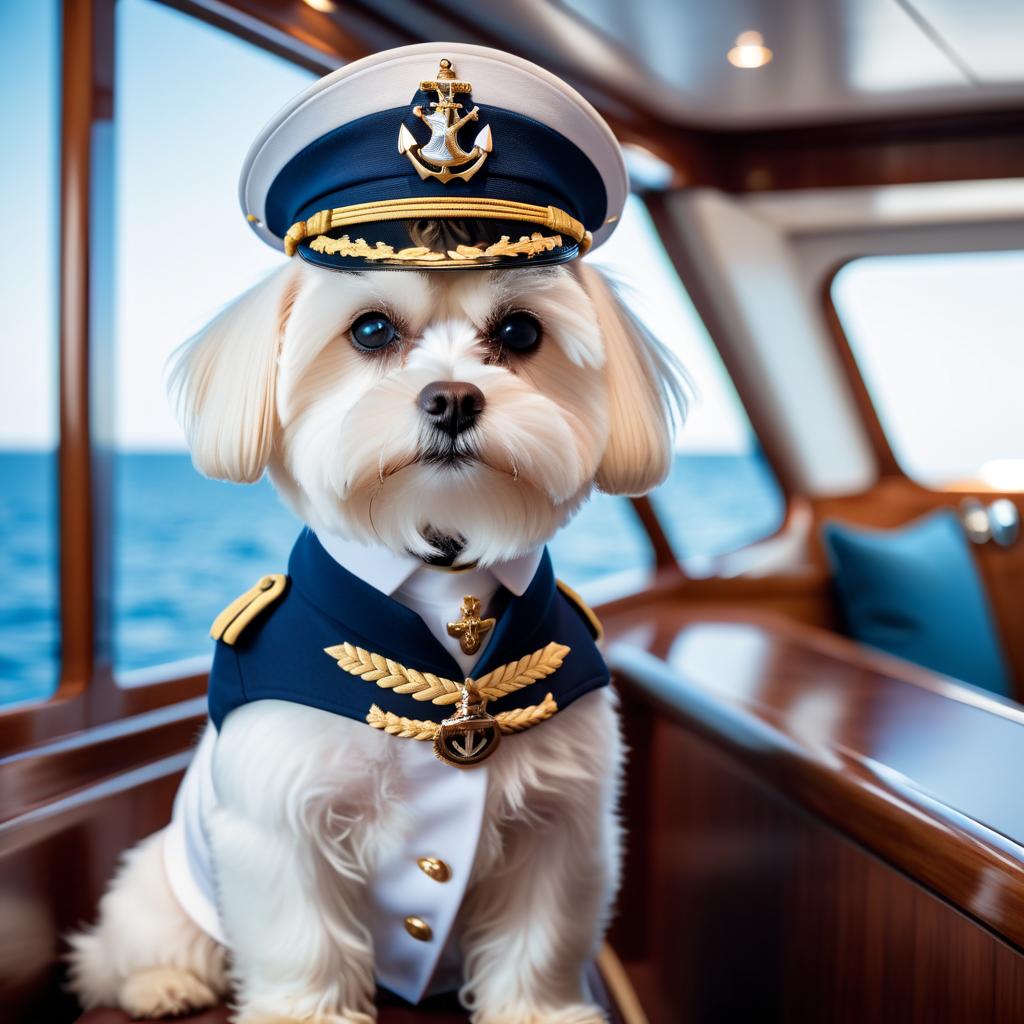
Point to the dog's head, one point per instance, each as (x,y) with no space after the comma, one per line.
(465,413)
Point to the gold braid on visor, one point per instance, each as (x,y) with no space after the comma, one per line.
(437,208)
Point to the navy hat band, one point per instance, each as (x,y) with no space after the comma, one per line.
(360,161)
(433,208)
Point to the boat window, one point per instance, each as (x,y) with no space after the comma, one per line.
(186,112)
(29,121)
(721,494)
(937,340)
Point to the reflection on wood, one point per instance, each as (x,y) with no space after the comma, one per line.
(811,831)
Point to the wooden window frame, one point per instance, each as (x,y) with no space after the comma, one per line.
(888,465)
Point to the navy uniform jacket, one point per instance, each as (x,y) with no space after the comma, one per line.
(281,655)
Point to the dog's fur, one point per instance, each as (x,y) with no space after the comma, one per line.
(307,799)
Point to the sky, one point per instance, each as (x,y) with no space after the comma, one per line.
(28,260)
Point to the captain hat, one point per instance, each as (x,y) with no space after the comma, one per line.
(444,156)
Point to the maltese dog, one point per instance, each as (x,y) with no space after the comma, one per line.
(460,418)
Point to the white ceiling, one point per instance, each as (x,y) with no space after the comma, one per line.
(833,59)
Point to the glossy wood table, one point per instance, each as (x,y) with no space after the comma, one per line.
(818,831)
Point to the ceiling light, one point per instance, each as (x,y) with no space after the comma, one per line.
(323,6)
(749,51)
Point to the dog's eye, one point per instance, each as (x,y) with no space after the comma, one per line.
(518,332)
(373,331)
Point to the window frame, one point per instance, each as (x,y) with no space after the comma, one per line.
(767,437)
(87,694)
(889,466)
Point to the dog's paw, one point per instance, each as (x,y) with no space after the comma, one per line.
(576,1013)
(164,992)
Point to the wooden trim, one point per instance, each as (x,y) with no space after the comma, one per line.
(887,464)
(619,987)
(968,145)
(664,556)
(78,114)
(31,779)
(25,727)
(295,32)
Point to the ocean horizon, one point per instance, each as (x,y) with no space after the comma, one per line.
(184,546)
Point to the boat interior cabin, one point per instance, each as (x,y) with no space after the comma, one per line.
(814,625)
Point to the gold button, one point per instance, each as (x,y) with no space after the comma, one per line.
(419,929)
(434,868)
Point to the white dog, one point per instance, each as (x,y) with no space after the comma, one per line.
(319,378)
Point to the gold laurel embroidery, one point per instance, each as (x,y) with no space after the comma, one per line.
(528,246)
(390,675)
(517,674)
(396,725)
(525,718)
(414,729)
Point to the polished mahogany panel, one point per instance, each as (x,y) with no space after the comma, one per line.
(753,909)
(918,769)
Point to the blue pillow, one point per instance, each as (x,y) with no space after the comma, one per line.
(915,592)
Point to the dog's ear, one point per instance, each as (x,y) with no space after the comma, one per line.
(223,381)
(645,395)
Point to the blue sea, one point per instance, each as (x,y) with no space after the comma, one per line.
(184,546)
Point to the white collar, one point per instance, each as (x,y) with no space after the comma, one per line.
(386,570)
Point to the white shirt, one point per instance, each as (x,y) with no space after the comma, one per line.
(446,805)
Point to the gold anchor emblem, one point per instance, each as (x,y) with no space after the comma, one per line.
(470,628)
(470,735)
(442,152)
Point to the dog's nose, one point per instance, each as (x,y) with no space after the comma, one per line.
(451,405)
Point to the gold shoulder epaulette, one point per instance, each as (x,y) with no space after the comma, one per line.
(584,609)
(229,625)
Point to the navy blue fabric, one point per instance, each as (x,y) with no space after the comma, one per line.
(915,592)
(281,654)
(359,162)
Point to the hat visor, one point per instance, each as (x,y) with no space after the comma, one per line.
(470,244)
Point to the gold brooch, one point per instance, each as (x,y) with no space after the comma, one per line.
(470,735)
(470,628)
(442,152)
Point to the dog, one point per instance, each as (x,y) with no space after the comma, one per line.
(282,381)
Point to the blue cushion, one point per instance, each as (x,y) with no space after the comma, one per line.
(915,592)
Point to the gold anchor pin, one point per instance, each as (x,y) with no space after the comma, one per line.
(442,154)
(469,736)
(470,628)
